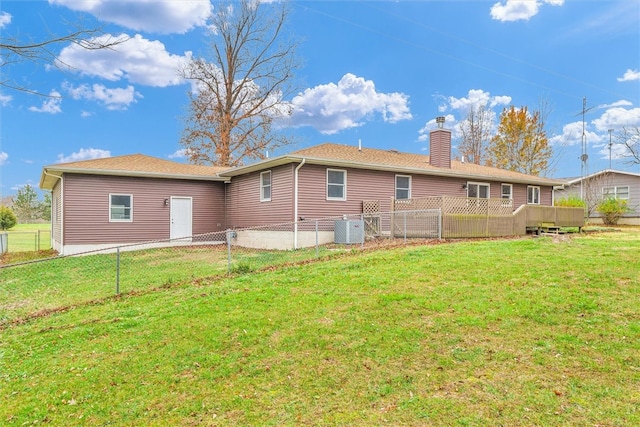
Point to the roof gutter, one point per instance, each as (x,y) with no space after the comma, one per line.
(295,203)
(144,174)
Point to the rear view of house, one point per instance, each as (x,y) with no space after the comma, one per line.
(121,200)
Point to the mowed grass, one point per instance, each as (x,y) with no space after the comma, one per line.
(515,332)
(28,289)
(29,237)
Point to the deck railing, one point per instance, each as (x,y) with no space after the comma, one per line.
(471,217)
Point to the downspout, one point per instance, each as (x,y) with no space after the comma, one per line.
(295,203)
(61,212)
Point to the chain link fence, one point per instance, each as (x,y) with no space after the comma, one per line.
(34,287)
(22,241)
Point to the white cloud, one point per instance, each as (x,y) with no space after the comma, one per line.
(630,75)
(50,105)
(137,60)
(572,135)
(158,16)
(617,118)
(5,99)
(179,154)
(618,152)
(332,107)
(517,10)
(476,98)
(621,103)
(5,19)
(3,157)
(597,131)
(449,123)
(84,154)
(114,99)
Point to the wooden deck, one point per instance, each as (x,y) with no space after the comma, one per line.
(468,217)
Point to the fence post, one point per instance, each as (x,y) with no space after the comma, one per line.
(440,224)
(118,270)
(229,251)
(393,219)
(38,244)
(405,226)
(317,241)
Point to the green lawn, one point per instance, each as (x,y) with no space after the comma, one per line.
(29,237)
(500,332)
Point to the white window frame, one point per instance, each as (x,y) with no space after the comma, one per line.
(408,189)
(264,186)
(479,184)
(343,185)
(111,218)
(615,192)
(502,187)
(536,195)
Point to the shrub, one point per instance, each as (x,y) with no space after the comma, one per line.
(7,218)
(612,209)
(571,202)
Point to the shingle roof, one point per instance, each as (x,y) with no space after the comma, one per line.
(419,163)
(131,165)
(328,153)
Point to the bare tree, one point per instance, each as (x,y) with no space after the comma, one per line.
(239,92)
(476,131)
(630,138)
(14,51)
(593,190)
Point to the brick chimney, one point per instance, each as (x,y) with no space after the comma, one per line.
(440,145)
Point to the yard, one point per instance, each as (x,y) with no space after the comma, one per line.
(534,331)
(29,237)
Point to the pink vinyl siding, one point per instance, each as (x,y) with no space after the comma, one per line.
(593,190)
(244,207)
(365,184)
(86,208)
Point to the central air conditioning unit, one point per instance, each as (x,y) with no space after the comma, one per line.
(349,231)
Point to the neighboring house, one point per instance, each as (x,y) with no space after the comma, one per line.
(607,183)
(136,198)
(7,201)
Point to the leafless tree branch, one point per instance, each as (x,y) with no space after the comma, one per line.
(241,86)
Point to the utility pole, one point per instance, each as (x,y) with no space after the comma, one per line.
(610,144)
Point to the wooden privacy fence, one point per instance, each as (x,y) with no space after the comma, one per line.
(470,217)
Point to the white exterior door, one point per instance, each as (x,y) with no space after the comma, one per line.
(181,217)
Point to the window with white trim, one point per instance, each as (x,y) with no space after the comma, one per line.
(403,187)
(265,186)
(120,207)
(336,184)
(533,195)
(506,191)
(477,190)
(621,192)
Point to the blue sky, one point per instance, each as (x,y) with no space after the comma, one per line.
(378,72)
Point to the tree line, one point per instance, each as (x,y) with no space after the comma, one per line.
(27,208)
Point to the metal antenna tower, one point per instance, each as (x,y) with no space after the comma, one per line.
(584,157)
